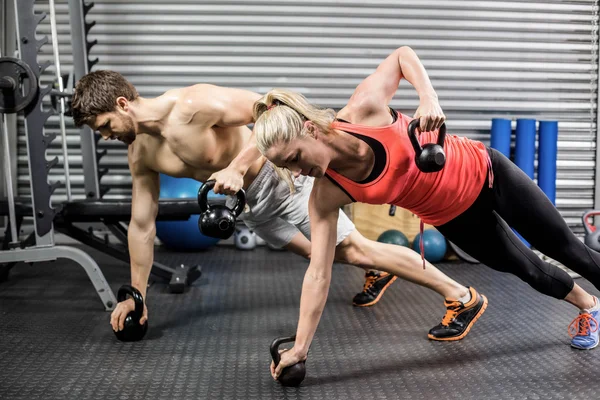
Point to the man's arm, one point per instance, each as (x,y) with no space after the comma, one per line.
(142,227)
(236,106)
(230,107)
(140,235)
(373,95)
(225,107)
(249,154)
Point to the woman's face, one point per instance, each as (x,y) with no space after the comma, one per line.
(305,155)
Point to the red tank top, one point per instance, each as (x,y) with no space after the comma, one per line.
(436,197)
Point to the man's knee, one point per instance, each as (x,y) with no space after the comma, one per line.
(352,250)
(299,245)
(303,252)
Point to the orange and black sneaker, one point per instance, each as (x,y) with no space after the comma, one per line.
(459,317)
(376,283)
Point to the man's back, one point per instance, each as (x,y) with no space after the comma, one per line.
(203,131)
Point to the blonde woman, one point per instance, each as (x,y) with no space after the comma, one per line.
(364,154)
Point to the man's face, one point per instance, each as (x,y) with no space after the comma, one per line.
(115,125)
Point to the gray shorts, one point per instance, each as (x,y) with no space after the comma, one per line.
(276,215)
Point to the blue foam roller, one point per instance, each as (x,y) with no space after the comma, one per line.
(525,152)
(547,150)
(500,135)
(525,242)
(525,146)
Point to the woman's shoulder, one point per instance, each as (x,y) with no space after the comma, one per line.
(327,195)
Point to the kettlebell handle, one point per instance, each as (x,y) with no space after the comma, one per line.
(414,140)
(275,347)
(138,299)
(203,198)
(585,217)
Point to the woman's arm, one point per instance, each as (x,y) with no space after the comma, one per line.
(324,207)
(369,102)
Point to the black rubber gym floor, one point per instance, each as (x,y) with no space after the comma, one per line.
(212,341)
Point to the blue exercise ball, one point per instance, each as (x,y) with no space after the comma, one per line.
(182,235)
(434,244)
(394,236)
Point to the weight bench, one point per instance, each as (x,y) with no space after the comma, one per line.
(112,213)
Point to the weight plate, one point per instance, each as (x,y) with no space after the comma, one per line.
(25,85)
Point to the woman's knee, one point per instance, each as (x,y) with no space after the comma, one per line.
(546,279)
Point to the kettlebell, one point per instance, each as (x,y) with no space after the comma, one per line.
(592,235)
(431,157)
(245,238)
(292,375)
(132,330)
(218,220)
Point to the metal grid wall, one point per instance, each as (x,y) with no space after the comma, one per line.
(534,59)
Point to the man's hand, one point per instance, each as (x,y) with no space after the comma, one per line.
(117,318)
(229,181)
(288,357)
(430,114)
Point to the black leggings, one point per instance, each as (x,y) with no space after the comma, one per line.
(483,232)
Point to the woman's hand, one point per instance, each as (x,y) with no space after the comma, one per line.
(430,114)
(288,358)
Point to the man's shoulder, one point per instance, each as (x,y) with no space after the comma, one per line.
(196,91)
(202,99)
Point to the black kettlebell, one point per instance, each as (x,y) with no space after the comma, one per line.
(592,236)
(132,330)
(431,157)
(218,220)
(292,375)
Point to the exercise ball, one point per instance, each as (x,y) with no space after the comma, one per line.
(434,244)
(393,236)
(182,235)
(244,238)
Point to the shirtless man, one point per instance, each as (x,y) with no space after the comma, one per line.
(201,132)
